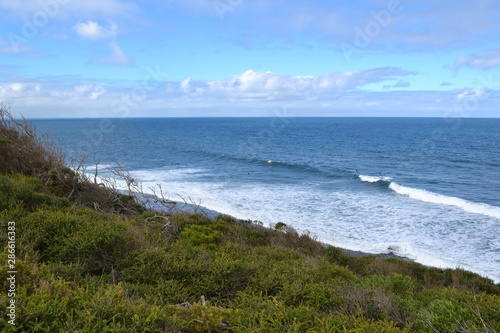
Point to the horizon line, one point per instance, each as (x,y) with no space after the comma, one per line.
(250,117)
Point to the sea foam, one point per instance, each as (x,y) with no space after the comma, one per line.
(435,198)
(374,179)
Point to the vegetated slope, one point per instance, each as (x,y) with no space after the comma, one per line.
(90,259)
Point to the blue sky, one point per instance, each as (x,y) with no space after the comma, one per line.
(117,58)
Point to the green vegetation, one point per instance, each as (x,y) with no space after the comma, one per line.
(90,259)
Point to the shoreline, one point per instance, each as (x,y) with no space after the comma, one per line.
(212,214)
(388,250)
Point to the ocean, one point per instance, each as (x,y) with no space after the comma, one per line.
(424,188)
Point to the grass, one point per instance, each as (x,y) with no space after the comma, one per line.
(105,265)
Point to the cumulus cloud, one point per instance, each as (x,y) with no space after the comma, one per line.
(486,60)
(251,84)
(55,97)
(90,91)
(16,87)
(43,89)
(82,92)
(93,30)
(12,90)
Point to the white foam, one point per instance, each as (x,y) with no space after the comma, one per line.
(426,196)
(171,174)
(103,166)
(374,179)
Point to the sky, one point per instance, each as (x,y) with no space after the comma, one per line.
(206,58)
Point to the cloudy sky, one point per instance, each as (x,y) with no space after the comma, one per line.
(121,58)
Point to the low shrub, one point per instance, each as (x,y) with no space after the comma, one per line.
(28,191)
(202,235)
(75,235)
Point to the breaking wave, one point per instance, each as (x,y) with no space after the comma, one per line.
(435,198)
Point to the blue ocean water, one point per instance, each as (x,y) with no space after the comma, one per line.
(428,188)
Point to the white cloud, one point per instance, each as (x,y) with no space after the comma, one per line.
(13,89)
(247,94)
(471,94)
(117,58)
(94,30)
(16,87)
(185,84)
(32,90)
(90,91)
(255,85)
(486,60)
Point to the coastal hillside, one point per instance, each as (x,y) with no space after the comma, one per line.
(81,256)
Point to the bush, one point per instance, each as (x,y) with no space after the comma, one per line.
(75,235)
(201,235)
(337,256)
(29,191)
(23,151)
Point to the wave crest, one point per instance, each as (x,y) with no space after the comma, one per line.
(435,198)
(374,179)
